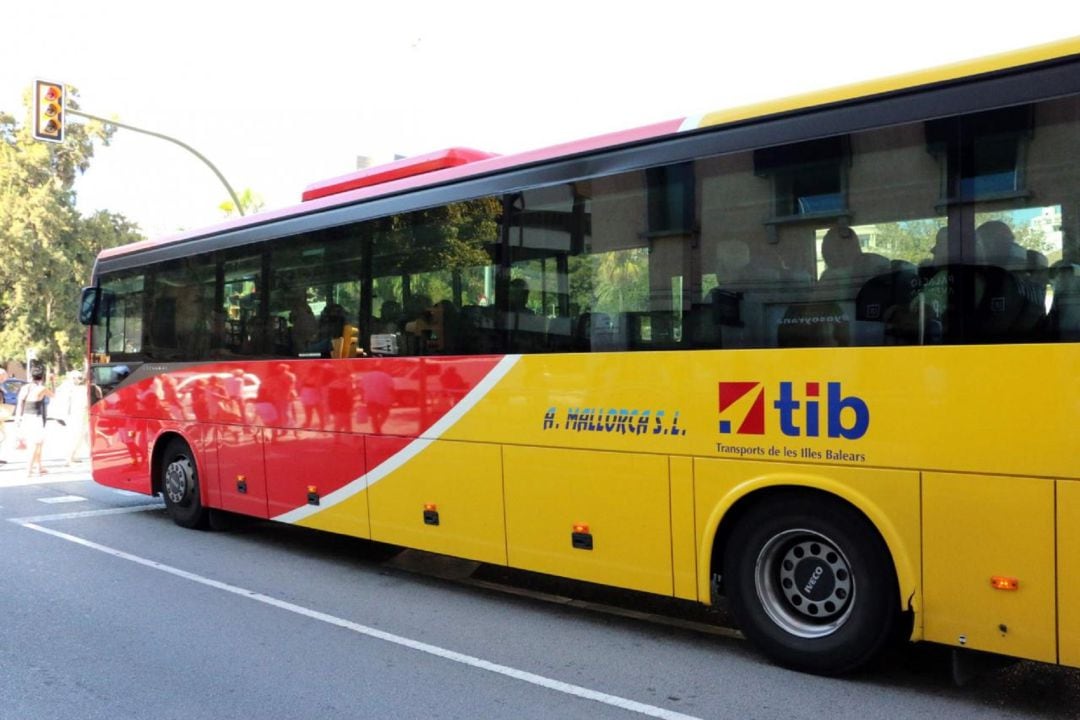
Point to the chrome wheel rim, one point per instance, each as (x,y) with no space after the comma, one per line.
(179,480)
(804,583)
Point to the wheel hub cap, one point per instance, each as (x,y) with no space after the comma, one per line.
(178,480)
(804,583)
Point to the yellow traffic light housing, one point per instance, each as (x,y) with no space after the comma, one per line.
(49,111)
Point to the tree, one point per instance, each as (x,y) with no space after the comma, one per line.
(250,202)
(49,249)
(622,280)
(911,240)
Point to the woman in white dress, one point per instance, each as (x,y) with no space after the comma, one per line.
(30,414)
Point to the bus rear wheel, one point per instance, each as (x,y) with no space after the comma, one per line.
(811,583)
(180,486)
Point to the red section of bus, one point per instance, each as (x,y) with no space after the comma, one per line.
(297,460)
(118,450)
(397,170)
(262,432)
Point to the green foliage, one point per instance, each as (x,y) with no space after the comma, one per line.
(622,280)
(433,247)
(912,241)
(49,249)
(250,201)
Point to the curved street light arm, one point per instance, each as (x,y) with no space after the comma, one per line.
(193,151)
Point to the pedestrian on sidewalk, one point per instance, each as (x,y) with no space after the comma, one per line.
(30,415)
(78,423)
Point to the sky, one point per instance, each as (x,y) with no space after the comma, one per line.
(280,95)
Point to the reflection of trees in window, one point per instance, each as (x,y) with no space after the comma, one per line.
(621,280)
(1026,235)
(241,300)
(582,283)
(119,328)
(181,309)
(910,240)
(435,252)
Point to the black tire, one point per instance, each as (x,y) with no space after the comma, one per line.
(811,583)
(180,486)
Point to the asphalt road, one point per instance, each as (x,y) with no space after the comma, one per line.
(109,610)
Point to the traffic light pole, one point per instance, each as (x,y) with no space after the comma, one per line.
(193,151)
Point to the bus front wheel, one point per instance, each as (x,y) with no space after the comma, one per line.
(180,486)
(811,583)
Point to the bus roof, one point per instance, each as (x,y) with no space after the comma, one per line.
(455,164)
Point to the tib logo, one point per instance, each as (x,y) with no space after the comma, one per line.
(743,404)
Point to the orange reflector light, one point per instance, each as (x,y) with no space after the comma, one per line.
(312,489)
(431,506)
(582,528)
(999,582)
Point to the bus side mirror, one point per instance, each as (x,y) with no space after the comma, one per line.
(88,305)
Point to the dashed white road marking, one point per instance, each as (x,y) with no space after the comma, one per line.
(87,513)
(60,499)
(20,479)
(128,493)
(427,648)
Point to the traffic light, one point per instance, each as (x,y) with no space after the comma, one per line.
(49,111)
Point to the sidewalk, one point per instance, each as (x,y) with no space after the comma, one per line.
(54,458)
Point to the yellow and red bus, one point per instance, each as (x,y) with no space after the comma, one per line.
(817,357)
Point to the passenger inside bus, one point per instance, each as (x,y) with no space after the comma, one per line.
(337,338)
(389,318)
(997,246)
(303,327)
(421,326)
(844,257)
(1063,320)
(939,253)
(518,296)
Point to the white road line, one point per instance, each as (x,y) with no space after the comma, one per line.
(59,499)
(469,660)
(53,477)
(86,514)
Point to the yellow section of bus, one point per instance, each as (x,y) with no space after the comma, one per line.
(642,454)
(448,499)
(942,408)
(1068,553)
(889,498)
(977,528)
(993,63)
(619,501)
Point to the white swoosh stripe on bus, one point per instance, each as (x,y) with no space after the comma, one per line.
(411,450)
(692,122)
